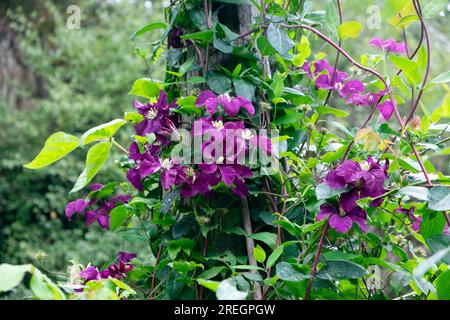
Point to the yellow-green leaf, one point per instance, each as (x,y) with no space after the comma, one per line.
(103,131)
(145,88)
(57,146)
(349,29)
(96,157)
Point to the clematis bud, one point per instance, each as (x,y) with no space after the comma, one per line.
(415,123)
(266,106)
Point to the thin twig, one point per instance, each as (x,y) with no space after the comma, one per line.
(316,260)
(250,246)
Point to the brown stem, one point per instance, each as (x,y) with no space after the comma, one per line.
(427,70)
(316,260)
(158,255)
(205,245)
(250,245)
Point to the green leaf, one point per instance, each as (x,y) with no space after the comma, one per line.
(277,85)
(146,88)
(211,273)
(11,275)
(323,191)
(133,117)
(409,68)
(101,132)
(286,271)
(443,111)
(218,82)
(147,28)
(341,269)
(274,256)
(117,217)
(332,18)
(264,46)
(226,290)
(266,237)
(57,146)
(433,7)
(439,198)
(438,243)
(442,78)
(259,254)
(443,285)
(168,200)
(208,284)
(279,39)
(244,88)
(95,158)
(419,193)
(392,8)
(43,288)
(206,36)
(433,224)
(330,110)
(349,30)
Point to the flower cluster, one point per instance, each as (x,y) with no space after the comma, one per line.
(115,270)
(219,164)
(96,209)
(358,183)
(328,78)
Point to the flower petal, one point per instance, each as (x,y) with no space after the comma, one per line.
(340,224)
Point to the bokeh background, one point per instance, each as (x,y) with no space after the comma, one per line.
(53,78)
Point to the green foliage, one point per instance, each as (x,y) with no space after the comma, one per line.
(298,248)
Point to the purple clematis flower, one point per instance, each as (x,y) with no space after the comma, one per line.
(99,209)
(371,99)
(389,45)
(351,87)
(90,273)
(134,174)
(170,172)
(197,182)
(331,81)
(340,219)
(231,105)
(101,215)
(117,271)
(155,115)
(125,257)
(229,174)
(76,206)
(361,182)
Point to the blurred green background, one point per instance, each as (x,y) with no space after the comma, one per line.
(53,78)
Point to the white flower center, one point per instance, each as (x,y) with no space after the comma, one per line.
(220,160)
(364,165)
(190,173)
(151,113)
(217,124)
(247,134)
(166,163)
(342,213)
(226,96)
(338,86)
